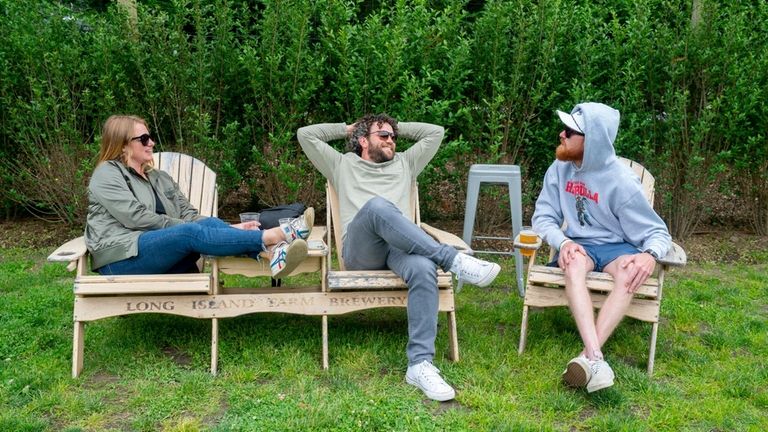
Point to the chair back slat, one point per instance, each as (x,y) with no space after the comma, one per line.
(196,181)
(646,178)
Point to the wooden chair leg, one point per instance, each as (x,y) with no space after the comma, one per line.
(77,348)
(214,346)
(453,337)
(652,350)
(523,330)
(325,341)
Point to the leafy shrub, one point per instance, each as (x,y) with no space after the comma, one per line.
(230,82)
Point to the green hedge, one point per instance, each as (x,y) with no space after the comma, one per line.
(230,82)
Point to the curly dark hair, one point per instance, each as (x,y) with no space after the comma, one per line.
(363,127)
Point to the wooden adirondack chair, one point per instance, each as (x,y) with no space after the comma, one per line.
(98,297)
(367,287)
(545,286)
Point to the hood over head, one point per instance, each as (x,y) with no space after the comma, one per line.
(600,124)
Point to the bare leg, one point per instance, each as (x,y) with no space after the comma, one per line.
(272,236)
(617,302)
(580,302)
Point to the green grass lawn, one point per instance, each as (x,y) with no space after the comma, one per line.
(149,372)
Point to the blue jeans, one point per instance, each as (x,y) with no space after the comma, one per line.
(380,237)
(176,249)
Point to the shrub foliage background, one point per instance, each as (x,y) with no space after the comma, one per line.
(230,82)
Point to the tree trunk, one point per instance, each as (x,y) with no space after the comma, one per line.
(696,13)
(129,6)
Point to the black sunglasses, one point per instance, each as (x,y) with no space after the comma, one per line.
(570,132)
(383,134)
(143,138)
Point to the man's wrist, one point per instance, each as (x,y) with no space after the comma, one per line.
(562,243)
(651,253)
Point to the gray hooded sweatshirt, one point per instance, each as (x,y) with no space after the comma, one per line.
(602,201)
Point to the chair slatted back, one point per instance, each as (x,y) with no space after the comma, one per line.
(646,179)
(196,181)
(334,217)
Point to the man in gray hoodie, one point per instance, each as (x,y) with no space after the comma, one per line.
(610,227)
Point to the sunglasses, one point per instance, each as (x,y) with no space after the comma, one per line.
(143,138)
(383,134)
(570,132)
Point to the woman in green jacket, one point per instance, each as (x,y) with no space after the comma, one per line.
(139,222)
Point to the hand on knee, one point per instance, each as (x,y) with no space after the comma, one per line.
(577,266)
(631,271)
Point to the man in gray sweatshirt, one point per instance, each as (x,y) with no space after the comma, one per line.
(610,227)
(373,183)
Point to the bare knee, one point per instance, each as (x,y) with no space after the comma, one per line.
(621,275)
(578,267)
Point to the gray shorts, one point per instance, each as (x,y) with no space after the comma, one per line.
(603,254)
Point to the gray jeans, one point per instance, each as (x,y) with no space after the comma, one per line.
(380,237)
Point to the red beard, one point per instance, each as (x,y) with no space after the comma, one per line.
(566,155)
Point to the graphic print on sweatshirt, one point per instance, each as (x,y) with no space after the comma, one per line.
(583,195)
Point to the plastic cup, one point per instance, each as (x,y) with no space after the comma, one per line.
(249,216)
(528,236)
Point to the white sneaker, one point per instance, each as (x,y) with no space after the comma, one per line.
(578,372)
(286,257)
(300,227)
(427,377)
(602,376)
(475,271)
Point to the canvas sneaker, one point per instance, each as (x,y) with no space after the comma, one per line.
(475,271)
(300,227)
(577,373)
(602,375)
(427,377)
(286,257)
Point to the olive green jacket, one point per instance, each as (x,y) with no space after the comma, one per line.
(121,206)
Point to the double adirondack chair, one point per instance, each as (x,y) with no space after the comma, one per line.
(204,295)
(545,286)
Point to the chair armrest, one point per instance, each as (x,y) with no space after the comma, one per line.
(72,252)
(445,237)
(529,246)
(69,251)
(675,257)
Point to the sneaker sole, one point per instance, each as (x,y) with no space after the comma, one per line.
(440,397)
(294,255)
(491,276)
(575,374)
(309,219)
(596,387)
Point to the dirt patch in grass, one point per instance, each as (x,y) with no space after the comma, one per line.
(101,380)
(445,407)
(35,233)
(180,358)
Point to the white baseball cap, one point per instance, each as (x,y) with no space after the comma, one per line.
(574,121)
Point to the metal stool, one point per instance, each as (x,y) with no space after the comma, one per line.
(496,174)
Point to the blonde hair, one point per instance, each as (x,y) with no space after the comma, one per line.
(115,137)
